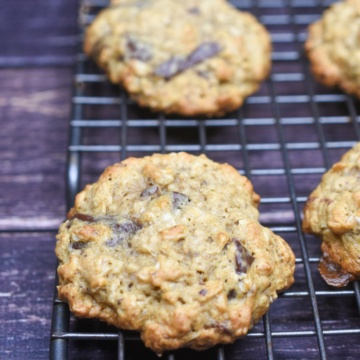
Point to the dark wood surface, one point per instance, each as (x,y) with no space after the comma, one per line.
(37,50)
(35,96)
(34,125)
(34,114)
(37,32)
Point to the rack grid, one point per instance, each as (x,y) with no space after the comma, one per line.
(283,138)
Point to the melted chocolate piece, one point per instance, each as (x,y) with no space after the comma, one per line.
(203,52)
(231,294)
(115,241)
(194,11)
(243,258)
(203,292)
(171,67)
(219,327)
(224,329)
(152,190)
(128,227)
(83,217)
(179,200)
(79,245)
(177,64)
(332,273)
(122,232)
(137,50)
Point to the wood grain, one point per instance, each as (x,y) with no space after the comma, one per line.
(27,272)
(34,108)
(38,32)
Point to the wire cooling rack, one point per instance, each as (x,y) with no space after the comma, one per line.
(283,138)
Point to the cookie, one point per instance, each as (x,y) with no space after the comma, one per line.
(332,212)
(170,245)
(333,47)
(193,58)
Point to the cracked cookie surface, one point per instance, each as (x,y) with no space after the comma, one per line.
(185,57)
(170,245)
(332,212)
(333,47)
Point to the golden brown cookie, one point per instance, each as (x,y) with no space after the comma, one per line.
(186,57)
(332,212)
(171,246)
(333,47)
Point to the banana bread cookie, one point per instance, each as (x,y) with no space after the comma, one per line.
(332,212)
(186,57)
(170,245)
(333,47)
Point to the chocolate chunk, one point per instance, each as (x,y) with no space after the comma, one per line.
(203,52)
(128,227)
(171,67)
(332,273)
(179,200)
(224,329)
(231,294)
(137,50)
(219,327)
(152,190)
(177,64)
(83,217)
(193,11)
(122,232)
(243,258)
(79,245)
(203,292)
(115,241)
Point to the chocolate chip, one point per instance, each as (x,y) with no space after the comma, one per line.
(203,292)
(326,200)
(193,11)
(122,232)
(171,67)
(179,200)
(83,217)
(115,241)
(128,227)
(333,273)
(219,327)
(137,50)
(223,329)
(79,245)
(177,64)
(152,190)
(203,52)
(243,258)
(231,294)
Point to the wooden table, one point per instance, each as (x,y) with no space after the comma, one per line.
(37,47)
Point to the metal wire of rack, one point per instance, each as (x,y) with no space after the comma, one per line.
(283,138)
